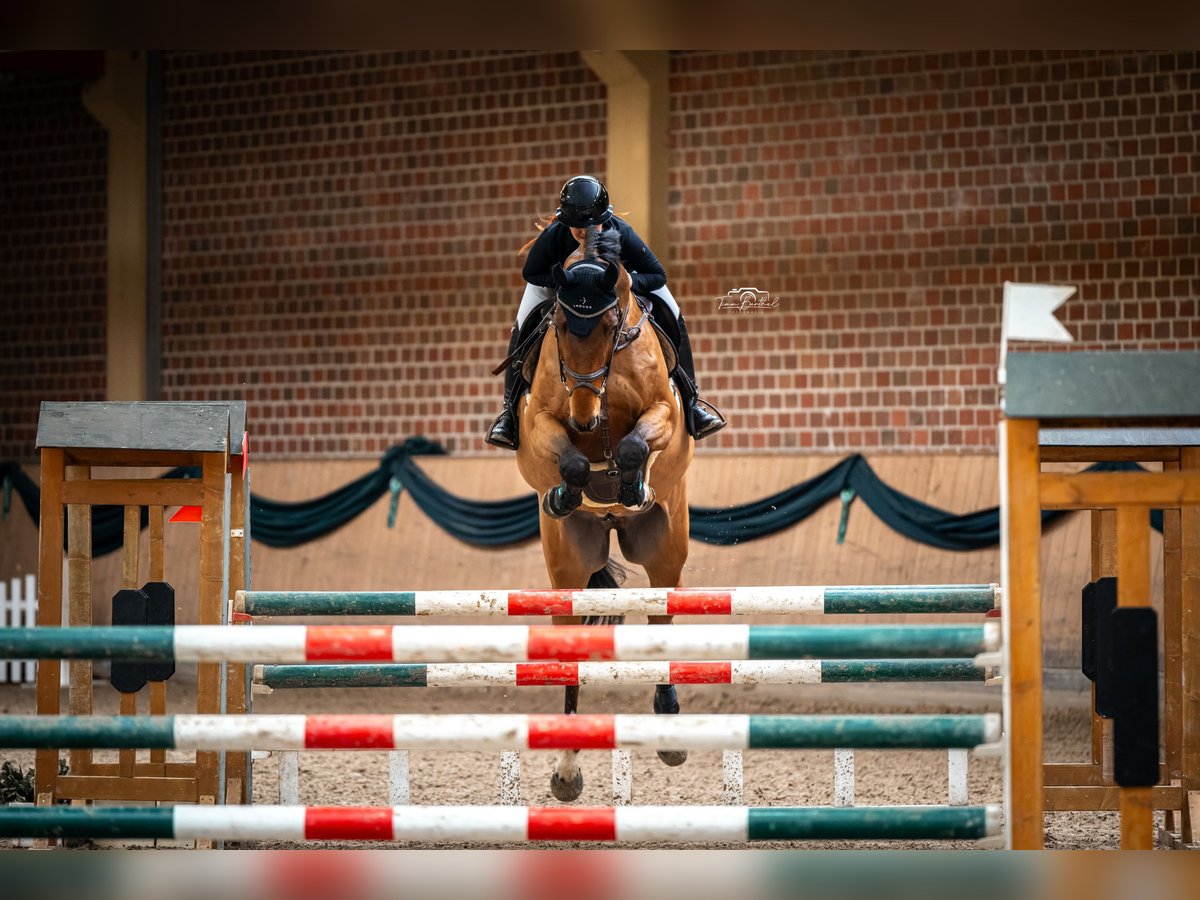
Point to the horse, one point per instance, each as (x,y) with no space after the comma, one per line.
(604,443)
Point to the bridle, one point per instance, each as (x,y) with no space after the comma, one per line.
(622,338)
(585,379)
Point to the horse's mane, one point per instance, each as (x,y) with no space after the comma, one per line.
(608,238)
(603,245)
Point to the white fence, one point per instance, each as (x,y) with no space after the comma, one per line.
(18,609)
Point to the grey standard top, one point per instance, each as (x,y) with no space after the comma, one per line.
(1126,386)
(143,425)
(1119,437)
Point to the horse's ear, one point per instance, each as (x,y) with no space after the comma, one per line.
(559,276)
(611,274)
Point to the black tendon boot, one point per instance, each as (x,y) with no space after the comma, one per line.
(504,431)
(702,417)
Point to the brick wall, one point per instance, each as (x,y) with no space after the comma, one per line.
(885,198)
(52,253)
(340,232)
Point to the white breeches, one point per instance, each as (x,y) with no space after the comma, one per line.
(535,296)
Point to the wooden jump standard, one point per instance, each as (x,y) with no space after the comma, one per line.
(1079,407)
(73,438)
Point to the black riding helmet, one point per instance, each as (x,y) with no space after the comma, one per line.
(583,202)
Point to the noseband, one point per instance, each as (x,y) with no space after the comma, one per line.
(585,379)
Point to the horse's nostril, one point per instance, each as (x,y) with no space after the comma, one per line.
(587,426)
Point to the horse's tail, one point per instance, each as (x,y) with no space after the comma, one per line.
(612,575)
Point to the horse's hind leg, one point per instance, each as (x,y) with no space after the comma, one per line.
(650,541)
(574,549)
(666,701)
(566,783)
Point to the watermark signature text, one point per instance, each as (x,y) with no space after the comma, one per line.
(747,300)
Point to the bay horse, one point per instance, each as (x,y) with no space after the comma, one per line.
(604,444)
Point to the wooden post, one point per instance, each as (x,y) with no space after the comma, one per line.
(158,689)
(637,139)
(237,764)
(1172,631)
(118,101)
(50,588)
(79,611)
(1133,589)
(208,677)
(1189,582)
(1023,633)
(129,579)
(1104,565)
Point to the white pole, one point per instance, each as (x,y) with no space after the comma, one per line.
(8,616)
(30,622)
(843,777)
(398,778)
(622,777)
(732,776)
(289,778)
(510,778)
(956,776)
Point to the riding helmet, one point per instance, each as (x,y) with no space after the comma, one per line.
(583,202)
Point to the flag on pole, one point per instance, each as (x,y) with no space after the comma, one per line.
(1028,315)
(1029,312)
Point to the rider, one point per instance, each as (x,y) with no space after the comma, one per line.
(583,204)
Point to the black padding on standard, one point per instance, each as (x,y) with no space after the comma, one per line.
(1087,630)
(160,610)
(129,608)
(1135,696)
(1107,666)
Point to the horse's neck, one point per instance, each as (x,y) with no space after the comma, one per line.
(631,310)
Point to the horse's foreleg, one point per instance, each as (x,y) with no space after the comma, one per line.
(652,432)
(550,439)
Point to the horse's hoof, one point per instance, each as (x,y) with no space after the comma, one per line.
(559,503)
(673,757)
(666,700)
(636,497)
(566,791)
(632,495)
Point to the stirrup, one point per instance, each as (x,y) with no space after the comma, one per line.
(506,438)
(715,421)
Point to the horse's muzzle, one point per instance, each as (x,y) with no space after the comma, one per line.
(584,427)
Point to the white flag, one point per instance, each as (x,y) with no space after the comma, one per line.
(1029,312)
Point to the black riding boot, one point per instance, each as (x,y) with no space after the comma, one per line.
(525,340)
(505,431)
(702,417)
